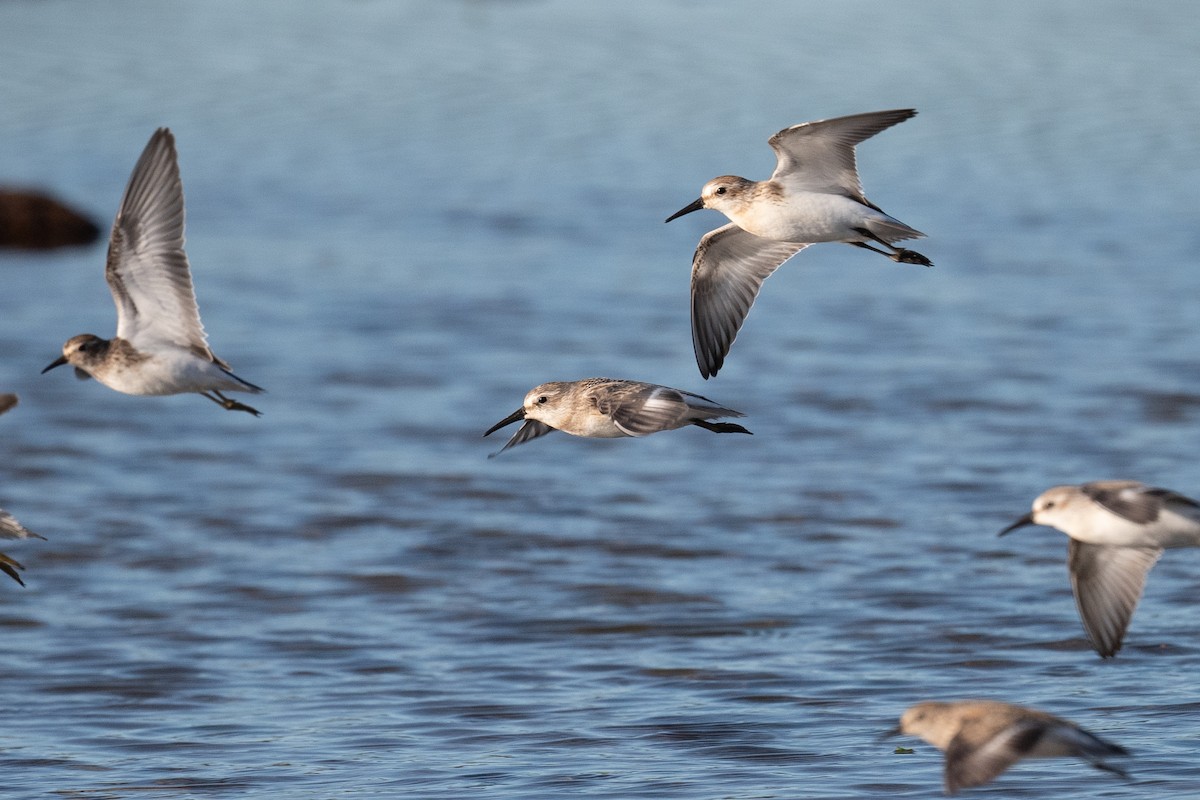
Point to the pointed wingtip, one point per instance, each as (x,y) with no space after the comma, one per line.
(507,445)
(709,364)
(9,567)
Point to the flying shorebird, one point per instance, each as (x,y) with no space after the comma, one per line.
(160,347)
(982,738)
(1118,531)
(9,527)
(814,195)
(609,408)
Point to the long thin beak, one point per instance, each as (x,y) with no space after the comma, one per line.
(1021,523)
(888,734)
(58,362)
(689,208)
(516,416)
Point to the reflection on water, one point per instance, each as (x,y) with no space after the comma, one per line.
(403,216)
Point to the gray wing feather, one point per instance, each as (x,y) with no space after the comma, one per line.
(1137,502)
(530,429)
(1127,499)
(649,410)
(819,156)
(728,270)
(1108,583)
(9,566)
(704,408)
(11,529)
(147,268)
(973,764)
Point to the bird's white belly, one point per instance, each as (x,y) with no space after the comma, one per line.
(166,374)
(579,422)
(807,218)
(599,426)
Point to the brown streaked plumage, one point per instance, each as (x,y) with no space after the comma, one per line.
(610,408)
(983,738)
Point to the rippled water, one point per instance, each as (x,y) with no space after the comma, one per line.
(403,215)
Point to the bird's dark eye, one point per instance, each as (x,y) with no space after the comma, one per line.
(541,399)
(1049,504)
(721,190)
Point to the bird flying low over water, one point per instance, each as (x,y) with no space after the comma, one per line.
(9,527)
(1118,530)
(609,408)
(982,738)
(160,347)
(814,195)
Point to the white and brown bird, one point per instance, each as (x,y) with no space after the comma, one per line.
(1118,530)
(814,195)
(160,347)
(607,408)
(982,738)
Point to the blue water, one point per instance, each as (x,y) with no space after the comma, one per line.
(401,216)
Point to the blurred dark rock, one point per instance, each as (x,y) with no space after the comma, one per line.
(32,220)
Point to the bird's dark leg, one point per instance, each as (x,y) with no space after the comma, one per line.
(866,246)
(897,254)
(230,404)
(720,427)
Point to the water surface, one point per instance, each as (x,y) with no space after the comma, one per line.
(404,215)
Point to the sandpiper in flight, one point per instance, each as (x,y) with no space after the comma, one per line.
(982,738)
(160,347)
(10,528)
(814,195)
(1118,531)
(608,408)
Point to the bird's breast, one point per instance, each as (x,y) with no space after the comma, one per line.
(801,217)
